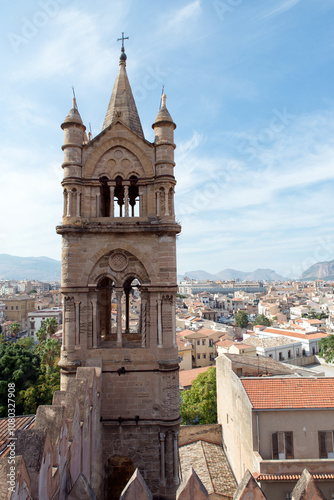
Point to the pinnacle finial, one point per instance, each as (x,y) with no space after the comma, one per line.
(74,100)
(123,55)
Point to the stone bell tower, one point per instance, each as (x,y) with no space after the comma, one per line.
(119,286)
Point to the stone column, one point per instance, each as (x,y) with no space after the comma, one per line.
(126,201)
(162,437)
(158,203)
(172,202)
(174,322)
(176,458)
(98,204)
(69,323)
(112,194)
(77,323)
(166,202)
(141,197)
(69,201)
(127,310)
(119,294)
(65,203)
(159,322)
(94,322)
(78,204)
(143,320)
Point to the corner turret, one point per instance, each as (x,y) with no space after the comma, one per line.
(74,136)
(164,127)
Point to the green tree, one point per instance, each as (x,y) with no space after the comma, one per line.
(326,348)
(49,352)
(262,320)
(48,328)
(199,404)
(241,319)
(15,328)
(27,342)
(19,365)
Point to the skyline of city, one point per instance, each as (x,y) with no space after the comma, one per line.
(249,87)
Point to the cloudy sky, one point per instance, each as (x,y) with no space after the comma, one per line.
(249,85)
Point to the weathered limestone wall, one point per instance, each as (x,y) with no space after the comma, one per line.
(64,443)
(190,433)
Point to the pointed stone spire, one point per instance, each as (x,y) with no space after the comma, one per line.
(192,488)
(248,488)
(163,115)
(74,115)
(136,488)
(122,105)
(306,488)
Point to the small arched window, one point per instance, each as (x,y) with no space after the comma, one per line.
(134,196)
(105,197)
(119,194)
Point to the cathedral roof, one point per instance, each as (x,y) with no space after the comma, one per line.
(122,106)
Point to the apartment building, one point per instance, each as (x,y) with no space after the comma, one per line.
(276,427)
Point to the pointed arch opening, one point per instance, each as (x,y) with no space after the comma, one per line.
(119,195)
(134,196)
(132,312)
(105,197)
(105,288)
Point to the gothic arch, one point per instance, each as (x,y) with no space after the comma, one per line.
(92,269)
(121,142)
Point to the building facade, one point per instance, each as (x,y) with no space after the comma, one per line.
(119,286)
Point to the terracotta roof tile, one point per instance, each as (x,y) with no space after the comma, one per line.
(24,422)
(279,393)
(186,377)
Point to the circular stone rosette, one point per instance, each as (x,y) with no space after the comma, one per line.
(118,262)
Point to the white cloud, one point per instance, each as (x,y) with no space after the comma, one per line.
(283,7)
(182,18)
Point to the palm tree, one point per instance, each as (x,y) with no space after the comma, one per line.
(49,351)
(48,328)
(15,328)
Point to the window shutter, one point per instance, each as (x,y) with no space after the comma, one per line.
(289,445)
(274,445)
(322,444)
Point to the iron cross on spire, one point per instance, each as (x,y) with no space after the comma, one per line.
(123,38)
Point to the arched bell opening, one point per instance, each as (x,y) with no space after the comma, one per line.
(132,310)
(119,196)
(104,309)
(105,197)
(134,196)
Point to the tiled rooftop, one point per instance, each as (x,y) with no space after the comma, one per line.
(186,377)
(211,466)
(279,393)
(24,422)
(269,341)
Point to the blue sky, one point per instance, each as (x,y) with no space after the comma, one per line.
(249,85)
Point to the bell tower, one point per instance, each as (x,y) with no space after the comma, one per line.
(119,285)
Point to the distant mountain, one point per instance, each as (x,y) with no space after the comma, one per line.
(265,275)
(30,268)
(200,275)
(319,271)
(232,274)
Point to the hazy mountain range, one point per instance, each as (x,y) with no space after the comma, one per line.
(46,269)
(233,274)
(320,270)
(30,268)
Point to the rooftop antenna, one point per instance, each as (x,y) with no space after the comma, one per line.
(162,93)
